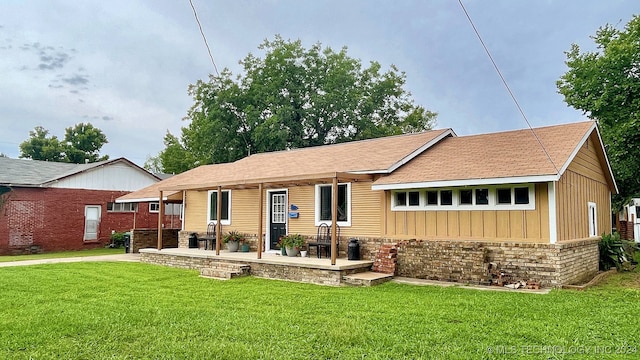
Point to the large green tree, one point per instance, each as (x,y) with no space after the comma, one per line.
(292,97)
(605,85)
(41,146)
(81,143)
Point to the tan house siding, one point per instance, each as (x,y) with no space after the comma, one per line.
(520,225)
(195,211)
(574,192)
(584,181)
(244,211)
(365,211)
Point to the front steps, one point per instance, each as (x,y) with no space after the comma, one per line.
(367,278)
(225,271)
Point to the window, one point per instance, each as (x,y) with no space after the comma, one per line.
(225,216)
(446,197)
(173,209)
(323,204)
(466,197)
(521,195)
(122,207)
(154,207)
(593,220)
(432,198)
(504,196)
(414,198)
(482,196)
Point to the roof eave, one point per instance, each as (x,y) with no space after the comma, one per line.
(468,182)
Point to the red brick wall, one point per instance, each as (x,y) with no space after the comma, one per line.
(50,219)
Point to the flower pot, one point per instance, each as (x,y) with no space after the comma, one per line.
(244,248)
(232,246)
(292,252)
(283,251)
(303,253)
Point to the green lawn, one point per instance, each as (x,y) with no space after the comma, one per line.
(139,311)
(63,254)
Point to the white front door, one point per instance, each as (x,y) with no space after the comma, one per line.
(91,222)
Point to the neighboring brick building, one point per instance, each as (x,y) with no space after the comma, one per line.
(48,206)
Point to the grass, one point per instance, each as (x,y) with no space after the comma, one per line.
(62,254)
(139,311)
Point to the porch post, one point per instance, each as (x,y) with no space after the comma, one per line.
(260,214)
(334,219)
(219,218)
(160,212)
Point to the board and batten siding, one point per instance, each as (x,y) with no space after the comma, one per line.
(584,181)
(489,225)
(118,176)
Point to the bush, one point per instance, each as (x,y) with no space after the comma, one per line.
(615,252)
(117,239)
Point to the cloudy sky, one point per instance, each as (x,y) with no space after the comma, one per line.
(125,65)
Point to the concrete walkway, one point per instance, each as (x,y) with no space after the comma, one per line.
(117,257)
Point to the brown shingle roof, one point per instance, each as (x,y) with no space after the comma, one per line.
(366,156)
(497,155)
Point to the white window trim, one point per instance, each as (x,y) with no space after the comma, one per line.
(215,221)
(493,201)
(154,203)
(593,220)
(319,222)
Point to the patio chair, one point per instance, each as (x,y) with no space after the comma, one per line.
(323,240)
(209,238)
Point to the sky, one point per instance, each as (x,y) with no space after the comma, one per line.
(125,65)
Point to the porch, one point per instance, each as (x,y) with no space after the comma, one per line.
(270,265)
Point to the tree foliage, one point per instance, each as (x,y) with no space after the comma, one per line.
(81,143)
(605,85)
(292,97)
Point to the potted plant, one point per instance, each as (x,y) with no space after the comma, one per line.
(293,243)
(233,240)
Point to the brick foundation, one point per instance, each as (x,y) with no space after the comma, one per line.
(553,265)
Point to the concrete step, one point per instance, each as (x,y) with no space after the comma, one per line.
(225,271)
(367,278)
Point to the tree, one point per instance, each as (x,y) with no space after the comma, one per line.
(41,146)
(605,85)
(291,98)
(81,143)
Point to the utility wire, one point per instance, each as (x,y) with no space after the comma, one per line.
(507,85)
(195,13)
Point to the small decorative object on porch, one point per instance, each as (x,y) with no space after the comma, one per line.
(244,247)
(233,240)
(293,243)
(303,253)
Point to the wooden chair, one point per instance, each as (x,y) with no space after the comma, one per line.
(323,240)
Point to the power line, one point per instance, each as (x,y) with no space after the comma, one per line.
(507,85)
(195,13)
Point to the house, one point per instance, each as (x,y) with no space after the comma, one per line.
(50,206)
(531,203)
(628,223)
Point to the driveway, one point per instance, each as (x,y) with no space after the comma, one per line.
(117,257)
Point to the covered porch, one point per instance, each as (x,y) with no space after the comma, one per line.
(261,206)
(268,265)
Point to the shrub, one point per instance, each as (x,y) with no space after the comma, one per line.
(292,241)
(117,239)
(233,236)
(615,252)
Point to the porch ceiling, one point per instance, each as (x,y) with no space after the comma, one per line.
(284,181)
